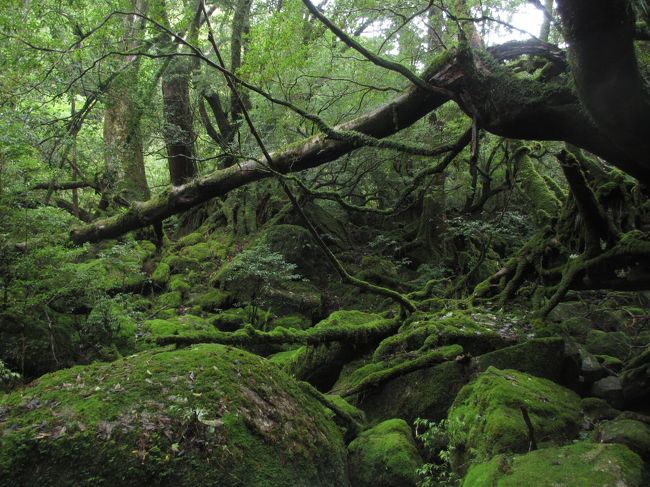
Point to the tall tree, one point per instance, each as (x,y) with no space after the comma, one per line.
(123,150)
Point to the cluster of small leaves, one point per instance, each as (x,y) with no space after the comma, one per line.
(7,375)
(435,439)
(257,271)
(508,227)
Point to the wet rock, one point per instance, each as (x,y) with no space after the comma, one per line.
(610,389)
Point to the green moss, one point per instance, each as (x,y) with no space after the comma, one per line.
(191,239)
(535,188)
(629,432)
(612,363)
(379,270)
(231,319)
(583,464)
(636,377)
(430,330)
(200,252)
(180,325)
(597,409)
(348,408)
(575,327)
(542,357)
(489,412)
(296,321)
(171,300)
(179,284)
(210,415)
(616,344)
(212,300)
(287,359)
(424,393)
(375,374)
(384,456)
(161,275)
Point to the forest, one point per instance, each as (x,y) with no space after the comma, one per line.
(357,243)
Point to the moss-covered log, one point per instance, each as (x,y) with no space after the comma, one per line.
(249,336)
(425,360)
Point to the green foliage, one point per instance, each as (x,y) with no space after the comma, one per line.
(435,441)
(7,376)
(255,272)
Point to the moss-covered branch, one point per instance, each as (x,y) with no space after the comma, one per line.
(250,337)
(427,359)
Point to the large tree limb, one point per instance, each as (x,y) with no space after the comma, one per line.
(248,336)
(502,103)
(604,66)
(386,120)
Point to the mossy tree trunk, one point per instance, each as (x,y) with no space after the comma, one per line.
(123,153)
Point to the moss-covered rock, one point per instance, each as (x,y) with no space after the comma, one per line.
(615,344)
(177,325)
(380,271)
(170,300)
(212,300)
(610,389)
(160,276)
(541,357)
(201,252)
(489,418)
(293,297)
(321,365)
(582,464)
(597,409)
(297,321)
(424,393)
(636,378)
(384,456)
(231,319)
(611,364)
(629,432)
(297,246)
(209,415)
(180,284)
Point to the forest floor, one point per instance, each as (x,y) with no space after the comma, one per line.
(245,362)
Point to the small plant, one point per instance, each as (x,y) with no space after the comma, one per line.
(256,272)
(7,376)
(436,440)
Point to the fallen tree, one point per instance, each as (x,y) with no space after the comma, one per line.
(248,336)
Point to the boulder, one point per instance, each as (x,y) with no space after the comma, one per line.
(615,344)
(208,415)
(424,393)
(541,357)
(635,378)
(582,464)
(384,456)
(488,415)
(629,432)
(610,389)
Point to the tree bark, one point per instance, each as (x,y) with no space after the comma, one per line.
(604,65)
(179,131)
